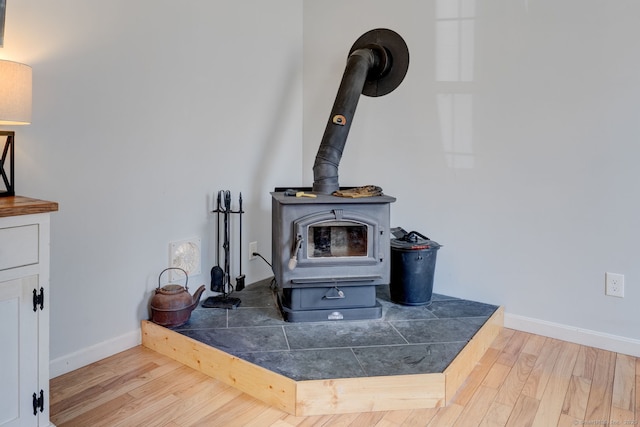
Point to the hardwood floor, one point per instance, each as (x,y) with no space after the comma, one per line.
(522,380)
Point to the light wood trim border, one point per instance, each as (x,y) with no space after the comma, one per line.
(348,395)
(325,397)
(458,370)
(270,387)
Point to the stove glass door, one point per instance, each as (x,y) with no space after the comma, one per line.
(332,239)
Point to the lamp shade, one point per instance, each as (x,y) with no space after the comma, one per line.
(15,93)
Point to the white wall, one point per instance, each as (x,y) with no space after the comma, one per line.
(513,141)
(518,154)
(142,111)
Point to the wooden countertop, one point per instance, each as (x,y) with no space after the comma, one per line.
(19,205)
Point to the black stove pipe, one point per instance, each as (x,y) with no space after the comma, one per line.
(325,168)
(369,70)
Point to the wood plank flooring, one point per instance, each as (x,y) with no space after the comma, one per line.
(522,380)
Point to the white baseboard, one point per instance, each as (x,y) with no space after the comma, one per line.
(86,356)
(573,334)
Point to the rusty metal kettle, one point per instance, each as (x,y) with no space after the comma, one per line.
(171,305)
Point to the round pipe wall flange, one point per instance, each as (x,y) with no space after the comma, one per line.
(393,55)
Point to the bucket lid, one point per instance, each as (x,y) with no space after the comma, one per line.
(413,241)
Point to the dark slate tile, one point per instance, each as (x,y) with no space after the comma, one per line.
(341,334)
(233,340)
(439,330)
(392,312)
(461,308)
(303,365)
(258,316)
(258,294)
(440,297)
(324,350)
(205,318)
(383,293)
(407,359)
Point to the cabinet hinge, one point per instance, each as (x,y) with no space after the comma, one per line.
(38,299)
(38,402)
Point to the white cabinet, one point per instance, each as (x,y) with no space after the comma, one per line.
(24,311)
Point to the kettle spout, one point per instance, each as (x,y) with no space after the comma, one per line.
(196,297)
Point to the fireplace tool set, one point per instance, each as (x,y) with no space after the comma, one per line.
(221,277)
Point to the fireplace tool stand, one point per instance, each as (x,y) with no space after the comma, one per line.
(221,278)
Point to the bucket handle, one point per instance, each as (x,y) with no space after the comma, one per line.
(409,237)
(186,276)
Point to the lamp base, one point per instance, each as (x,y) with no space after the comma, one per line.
(7,154)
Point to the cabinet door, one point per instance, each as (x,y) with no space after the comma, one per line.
(18,352)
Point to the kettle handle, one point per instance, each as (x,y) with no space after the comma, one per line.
(186,276)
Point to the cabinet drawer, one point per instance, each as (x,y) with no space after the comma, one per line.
(18,246)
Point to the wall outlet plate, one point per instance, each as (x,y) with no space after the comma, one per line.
(187,255)
(614,285)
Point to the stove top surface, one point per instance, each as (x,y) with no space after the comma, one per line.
(329,199)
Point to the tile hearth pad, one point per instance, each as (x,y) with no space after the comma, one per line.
(405,340)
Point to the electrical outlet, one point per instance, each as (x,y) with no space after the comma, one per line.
(253,248)
(614,285)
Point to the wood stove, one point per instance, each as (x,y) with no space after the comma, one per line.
(329,255)
(330,252)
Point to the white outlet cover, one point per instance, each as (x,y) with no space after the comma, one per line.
(614,285)
(187,255)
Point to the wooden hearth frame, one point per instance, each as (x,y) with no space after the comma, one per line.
(330,396)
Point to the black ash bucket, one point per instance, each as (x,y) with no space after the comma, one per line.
(413,264)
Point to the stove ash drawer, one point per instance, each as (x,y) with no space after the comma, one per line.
(329,297)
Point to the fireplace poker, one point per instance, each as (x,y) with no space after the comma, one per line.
(241,277)
(225,245)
